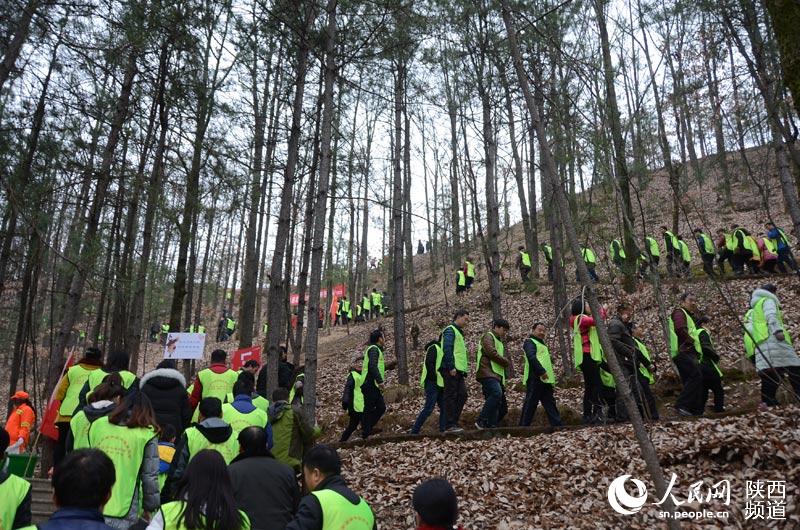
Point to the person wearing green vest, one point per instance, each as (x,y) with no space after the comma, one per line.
(547,250)
(455,367)
(366,305)
(359,313)
(672,249)
(293,432)
(15,493)
(491,364)
(469,271)
(164,329)
(524,264)
(539,379)
(347,311)
(725,245)
(652,252)
(781,241)
(685,262)
(116,363)
(709,366)
(775,356)
(617,253)
(432,382)
(373,370)
(742,253)
(377,303)
(129,437)
(353,397)
(707,251)
(590,259)
(242,412)
(589,359)
(645,373)
(230,328)
(769,253)
(265,329)
(331,505)
(68,393)
(461,281)
(215,381)
(684,347)
(203,498)
(102,402)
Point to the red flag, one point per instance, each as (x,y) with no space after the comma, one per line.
(239,357)
(48,425)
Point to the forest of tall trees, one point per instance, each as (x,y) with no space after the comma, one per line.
(163,161)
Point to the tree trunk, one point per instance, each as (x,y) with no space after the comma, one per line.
(398,296)
(785,18)
(17,41)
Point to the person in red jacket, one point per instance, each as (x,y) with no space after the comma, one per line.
(21,421)
(592,384)
(436,505)
(218,366)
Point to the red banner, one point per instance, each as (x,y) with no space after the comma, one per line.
(339,290)
(239,357)
(48,425)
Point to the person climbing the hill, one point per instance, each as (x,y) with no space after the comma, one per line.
(461,281)
(366,306)
(454,370)
(707,251)
(617,253)
(775,357)
(590,259)
(652,255)
(539,379)
(469,271)
(116,362)
(672,250)
(435,505)
(645,373)
(330,503)
(68,393)
(166,453)
(785,256)
(589,360)
(293,432)
(353,397)
(709,366)
(684,348)
(491,364)
(242,411)
(630,356)
(432,382)
(215,381)
(166,388)
(373,370)
(742,251)
(21,421)
(769,254)
(102,402)
(547,250)
(524,264)
(377,303)
(724,250)
(15,492)
(685,258)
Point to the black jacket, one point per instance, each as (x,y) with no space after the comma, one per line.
(23,514)
(430,362)
(373,376)
(265,489)
(530,347)
(285,378)
(166,389)
(625,347)
(309,513)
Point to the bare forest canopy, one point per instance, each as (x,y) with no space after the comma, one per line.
(162,161)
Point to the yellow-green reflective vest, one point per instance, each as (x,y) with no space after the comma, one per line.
(366,303)
(13,491)
(97,376)
(702,357)
(526,259)
(191,328)
(265,328)
(164,328)
(760,328)
(216,385)
(673,241)
(459,349)
(770,245)
(339,514)
(300,377)
(358,394)
(735,239)
(358,310)
(381,362)
(239,421)
(172,513)
(77,376)
(79,426)
(749,344)
(708,244)
(201,329)
(750,243)
(652,247)
(196,442)
(686,255)
(617,251)
(673,337)
(548,253)
(125,447)
(376,299)
(470,269)
(588,256)
(461,278)
(730,241)
(543,356)
(596,351)
(259,401)
(439,357)
(230,324)
(501,351)
(646,354)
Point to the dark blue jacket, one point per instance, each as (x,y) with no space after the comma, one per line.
(776,235)
(75,519)
(536,369)
(448,342)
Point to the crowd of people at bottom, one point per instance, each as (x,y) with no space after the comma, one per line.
(255,491)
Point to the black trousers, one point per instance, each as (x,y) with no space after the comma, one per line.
(374,409)
(550,271)
(771,379)
(712,382)
(708,264)
(724,255)
(523,272)
(60,447)
(352,425)
(455,396)
(691,396)
(785,256)
(648,408)
(539,392)
(592,404)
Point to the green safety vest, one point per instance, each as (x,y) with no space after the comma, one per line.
(735,237)
(749,345)
(201,329)
(702,358)
(13,491)
(596,351)
(79,426)
(366,303)
(588,256)
(501,351)
(259,401)
(646,354)
(358,310)
(652,247)
(685,254)
(292,390)
(381,362)
(770,245)
(439,358)
(125,447)
(239,421)
(358,394)
(617,251)
(526,258)
(172,513)
(760,328)
(376,299)
(730,241)
(97,376)
(191,328)
(216,385)
(673,337)
(548,253)
(196,442)
(543,356)
(781,237)
(165,328)
(230,324)
(673,241)
(77,376)
(339,514)
(346,306)
(750,243)
(82,334)
(470,269)
(459,350)
(265,328)
(461,279)
(708,244)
